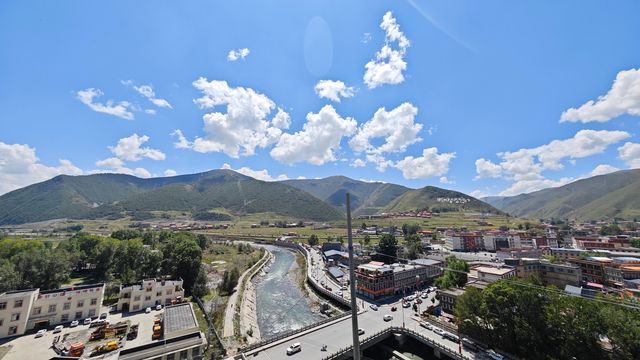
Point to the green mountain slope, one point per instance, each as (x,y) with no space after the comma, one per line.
(436,198)
(100,195)
(366,197)
(599,197)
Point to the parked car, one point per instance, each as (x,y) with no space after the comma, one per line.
(147,310)
(158,307)
(438,331)
(494,355)
(344,287)
(360,331)
(406,304)
(374,307)
(57,329)
(339,293)
(41,333)
(418,301)
(450,336)
(87,321)
(387,317)
(425,295)
(74,323)
(103,316)
(426,325)
(470,345)
(294,349)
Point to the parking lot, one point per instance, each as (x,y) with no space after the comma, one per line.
(30,347)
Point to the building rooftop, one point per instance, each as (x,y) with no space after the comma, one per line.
(336,272)
(426,262)
(493,270)
(179,317)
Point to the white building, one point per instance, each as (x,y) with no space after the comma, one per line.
(149,293)
(491,274)
(23,310)
(494,241)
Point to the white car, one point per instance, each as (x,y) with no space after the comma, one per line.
(426,325)
(344,287)
(158,307)
(57,329)
(147,310)
(294,349)
(374,307)
(74,323)
(87,321)
(41,333)
(438,331)
(339,293)
(424,295)
(387,318)
(360,331)
(406,304)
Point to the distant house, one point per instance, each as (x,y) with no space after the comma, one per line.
(331,246)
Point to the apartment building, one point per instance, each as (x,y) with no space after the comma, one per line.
(500,240)
(24,310)
(592,268)
(448,298)
(375,279)
(558,274)
(492,274)
(149,293)
(463,241)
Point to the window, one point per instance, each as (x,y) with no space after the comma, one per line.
(17,304)
(183,355)
(12,330)
(91,313)
(78,315)
(52,308)
(3,305)
(1,322)
(136,307)
(149,289)
(94,301)
(171,357)
(37,310)
(136,298)
(66,306)
(147,298)
(169,291)
(80,303)
(195,352)
(159,293)
(64,318)
(15,317)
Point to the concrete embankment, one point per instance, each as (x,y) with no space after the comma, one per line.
(248,311)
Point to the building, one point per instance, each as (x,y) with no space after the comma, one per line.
(433,267)
(448,298)
(492,274)
(495,240)
(375,279)
(558,274)
(562,253)
(518,253)
(620,270)
(181,340)
(592,268)
(331,246)
(149,293)
(463,241)
(24,310)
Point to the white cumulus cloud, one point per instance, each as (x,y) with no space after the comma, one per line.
(318,140)
(170,172)
(622,98)
(430,164)
(120,109)
(333,90)
(244,125)
(256,174)
(487,169)
(130,149)
(389,64)
(20,167)
(182,142)
(238,54)
(630,154)
(147,91)
(603,169)
(117,166)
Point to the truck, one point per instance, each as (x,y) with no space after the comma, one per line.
(76,349)
(101,349)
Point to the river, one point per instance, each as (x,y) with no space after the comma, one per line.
(280,304)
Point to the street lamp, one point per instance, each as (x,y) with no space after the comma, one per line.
(418,287)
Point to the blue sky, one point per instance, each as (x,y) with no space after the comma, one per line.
(487,98)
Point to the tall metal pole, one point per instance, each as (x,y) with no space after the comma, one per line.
(352,288)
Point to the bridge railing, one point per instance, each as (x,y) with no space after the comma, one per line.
(289,333)
(344,352)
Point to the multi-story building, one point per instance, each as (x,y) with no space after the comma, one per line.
(375,279)
(558,274)
(620,270)
(448,298)
(518,253)
(592,268)
(434,267)
(496,240)
(24,310)
(463,241)
(149,293)
(563,253)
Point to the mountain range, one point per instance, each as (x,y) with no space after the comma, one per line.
(218,194)
(600,197)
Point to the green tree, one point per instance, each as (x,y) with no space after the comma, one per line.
(410,229)
(202,241)
(200,288)
(313,240)
(182,258)
(455,274)
(367,239)
(388,245)
(9,277)
(635,243)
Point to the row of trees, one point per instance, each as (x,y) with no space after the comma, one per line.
(534,322)
(34,263)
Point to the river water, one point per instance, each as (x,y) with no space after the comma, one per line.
(280,304)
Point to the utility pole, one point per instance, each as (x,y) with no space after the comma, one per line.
(352,288)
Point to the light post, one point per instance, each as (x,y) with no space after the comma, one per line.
(418,287)
(402,302)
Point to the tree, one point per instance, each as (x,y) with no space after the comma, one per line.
(182,258)
(202,241)
(455,274)
(410,229)
(126,234)
(388,245)
(635,243)
(313,240)
(200,288)
(363,226)
(9,277)
(610,230)
(367,239)
(414,246)
(229,280)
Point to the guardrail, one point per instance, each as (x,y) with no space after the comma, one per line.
(286,334)
(343,353)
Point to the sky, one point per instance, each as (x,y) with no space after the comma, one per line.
(484,97)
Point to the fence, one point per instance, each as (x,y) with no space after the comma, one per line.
(286,334)
(212,329)
(345,352)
